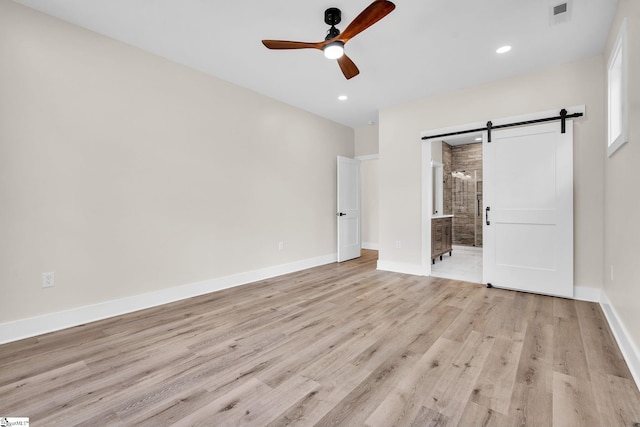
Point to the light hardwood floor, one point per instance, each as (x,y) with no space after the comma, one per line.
(341,345)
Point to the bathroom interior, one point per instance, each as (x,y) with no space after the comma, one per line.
(456,223)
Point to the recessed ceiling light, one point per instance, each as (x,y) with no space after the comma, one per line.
(343,97)
(503,49)
(479,138)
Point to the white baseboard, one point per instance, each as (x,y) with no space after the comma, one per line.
(30,327)
(627,347)
(401,267)
(372,246)
(584,293)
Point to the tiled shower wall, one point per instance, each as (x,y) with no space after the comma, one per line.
(466,205)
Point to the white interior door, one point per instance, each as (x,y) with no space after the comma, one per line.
(348,209)
(528,201)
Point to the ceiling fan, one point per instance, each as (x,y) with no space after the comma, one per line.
(333,45)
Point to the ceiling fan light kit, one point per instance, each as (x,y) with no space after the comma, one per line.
(333,45)
(334,50)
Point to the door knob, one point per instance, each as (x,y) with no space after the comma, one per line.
(341,214)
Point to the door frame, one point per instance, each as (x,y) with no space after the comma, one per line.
(426,169)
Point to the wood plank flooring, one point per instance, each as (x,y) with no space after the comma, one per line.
(338,345)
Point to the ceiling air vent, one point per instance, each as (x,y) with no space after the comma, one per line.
(561,8)
(560,12)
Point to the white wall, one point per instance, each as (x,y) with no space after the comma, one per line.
(127,174)
(622,201)
(400,178)
(436,151)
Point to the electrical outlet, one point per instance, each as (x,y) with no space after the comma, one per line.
(281,246)
(398,244)
(48,280)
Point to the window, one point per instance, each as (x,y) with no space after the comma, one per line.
(617,116)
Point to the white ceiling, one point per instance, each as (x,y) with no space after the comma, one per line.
(422,48)
(468,138)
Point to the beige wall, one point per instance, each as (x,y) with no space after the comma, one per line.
(369,203)
(366,145)
(366,140)
(622,204)
(125,173)
(567,85)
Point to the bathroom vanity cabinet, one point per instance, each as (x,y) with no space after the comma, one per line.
(441,236)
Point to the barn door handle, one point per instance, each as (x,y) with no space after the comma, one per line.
(341,214)
(486,215)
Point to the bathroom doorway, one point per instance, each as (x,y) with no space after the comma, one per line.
(462,189)
(525,185)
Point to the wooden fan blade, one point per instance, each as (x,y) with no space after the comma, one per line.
(372,14)
(284,44)
(347,66)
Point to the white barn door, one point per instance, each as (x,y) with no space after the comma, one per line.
(349,244)
(528,202)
